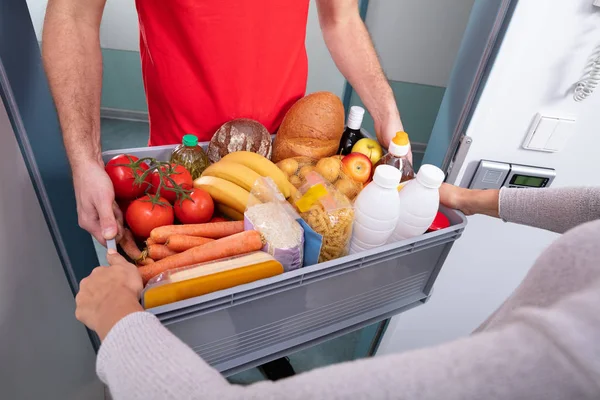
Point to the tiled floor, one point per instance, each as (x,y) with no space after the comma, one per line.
(117,134)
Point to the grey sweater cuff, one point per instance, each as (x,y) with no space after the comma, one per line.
(132,333)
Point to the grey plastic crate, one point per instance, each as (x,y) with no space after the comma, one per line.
(248,325)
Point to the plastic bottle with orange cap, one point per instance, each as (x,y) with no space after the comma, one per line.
(397,157)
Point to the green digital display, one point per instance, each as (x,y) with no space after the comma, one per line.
(530,181)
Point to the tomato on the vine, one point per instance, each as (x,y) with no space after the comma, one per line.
(178,174)
(125,171)
(218,219)
(147,213)
(198,209)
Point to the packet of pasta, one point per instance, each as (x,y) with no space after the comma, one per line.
(328,212)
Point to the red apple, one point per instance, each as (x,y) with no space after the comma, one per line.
(358,167)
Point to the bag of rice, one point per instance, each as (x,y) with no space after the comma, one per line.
(269,213)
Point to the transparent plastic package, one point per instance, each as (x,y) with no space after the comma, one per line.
(269,213)
(328,212)
(196,280)
(330,168)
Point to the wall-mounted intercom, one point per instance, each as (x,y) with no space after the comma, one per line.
(494,175)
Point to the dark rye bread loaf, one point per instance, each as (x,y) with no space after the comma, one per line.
(312,128)
(239,135)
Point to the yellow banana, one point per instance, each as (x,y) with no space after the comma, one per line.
(224,192)
(229,212)
(262,166)
(236,173)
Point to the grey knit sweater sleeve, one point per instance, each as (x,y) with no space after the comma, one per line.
(556,210)
(544,347)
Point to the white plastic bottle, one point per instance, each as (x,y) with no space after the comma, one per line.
(376,210)
(419,203)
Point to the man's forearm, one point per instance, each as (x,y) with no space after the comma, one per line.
(352,50)
(73,63)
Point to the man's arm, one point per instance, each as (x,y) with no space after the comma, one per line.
(350,46)
(73,63)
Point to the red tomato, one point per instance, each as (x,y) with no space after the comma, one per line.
(145,214)
(198,210)
(180,176)
(218,219)
(122,171)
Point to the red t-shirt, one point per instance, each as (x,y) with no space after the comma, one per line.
(206,62)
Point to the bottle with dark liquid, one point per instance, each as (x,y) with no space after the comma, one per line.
(352,132)
(397,157)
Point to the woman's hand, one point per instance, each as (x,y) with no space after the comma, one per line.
(454,197)
(108,295)
(468,201)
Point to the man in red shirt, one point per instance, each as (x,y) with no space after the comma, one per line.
(204,63)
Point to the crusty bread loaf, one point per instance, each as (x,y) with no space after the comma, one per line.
(313,128)
(239,135)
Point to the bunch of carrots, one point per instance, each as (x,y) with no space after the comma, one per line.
(175,246)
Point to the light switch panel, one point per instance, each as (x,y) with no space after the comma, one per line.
(561,135)
(549,134)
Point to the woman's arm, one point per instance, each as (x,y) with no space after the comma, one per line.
(531,358)
(556,210)
(533,353)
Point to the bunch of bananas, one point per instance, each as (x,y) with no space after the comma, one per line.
(230,181)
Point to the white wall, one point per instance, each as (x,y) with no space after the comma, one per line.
(119,30)
(417,40)
(45,353)
(545,49)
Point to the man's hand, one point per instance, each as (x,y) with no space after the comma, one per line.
(349,43)
(96,208)
(108,295)
(388,129)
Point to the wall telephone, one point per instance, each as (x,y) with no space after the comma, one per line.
(586,86)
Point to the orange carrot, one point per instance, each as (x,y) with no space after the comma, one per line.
(181,243)
(239,243)
(214,230)
(145,261)
(129,246)
(159,251)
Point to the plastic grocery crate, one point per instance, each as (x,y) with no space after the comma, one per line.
(248,325)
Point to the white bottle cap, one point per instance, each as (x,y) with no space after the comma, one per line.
(430,176)
(387,176)
(355,117)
